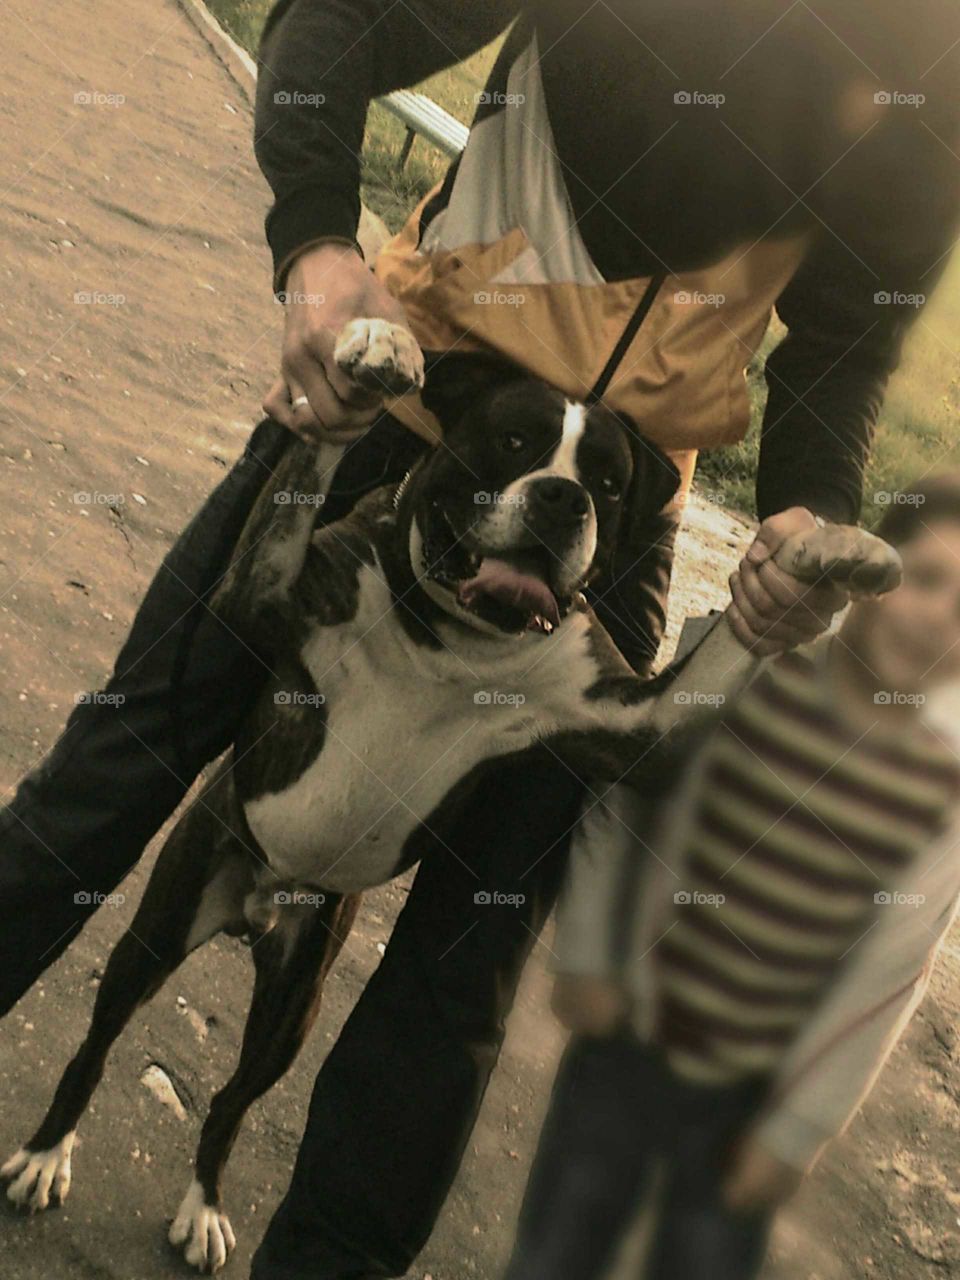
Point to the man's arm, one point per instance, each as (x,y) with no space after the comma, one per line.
(828,377)
(321,64)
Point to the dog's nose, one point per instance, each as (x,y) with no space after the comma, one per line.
(559,500)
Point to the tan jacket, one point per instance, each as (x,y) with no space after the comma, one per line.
(501,267)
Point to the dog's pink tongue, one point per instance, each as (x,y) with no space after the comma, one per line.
(507,584)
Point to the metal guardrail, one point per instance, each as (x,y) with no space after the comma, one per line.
(420,114)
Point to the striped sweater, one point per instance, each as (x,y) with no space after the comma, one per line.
(628,864)
(802,826)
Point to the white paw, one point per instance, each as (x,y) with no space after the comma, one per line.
(37,1178)
(202,1232)
(380,356)
(842,554)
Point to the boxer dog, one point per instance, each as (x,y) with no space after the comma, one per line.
(437,628)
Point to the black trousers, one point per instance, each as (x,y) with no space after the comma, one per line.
(395,1102)
(617,1113)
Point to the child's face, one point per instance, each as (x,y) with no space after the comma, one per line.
(910,639)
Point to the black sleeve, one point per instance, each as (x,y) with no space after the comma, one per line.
(827,378)
(321,63)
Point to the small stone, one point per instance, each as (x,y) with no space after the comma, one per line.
(161,1086)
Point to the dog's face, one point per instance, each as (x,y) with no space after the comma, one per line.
(524,502)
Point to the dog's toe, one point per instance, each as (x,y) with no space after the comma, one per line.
(876,578)
(842,554)
(37,1179)
(380,356)
(202,1231)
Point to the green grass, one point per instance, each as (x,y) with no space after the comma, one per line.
(918,429)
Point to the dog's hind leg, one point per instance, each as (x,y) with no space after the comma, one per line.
(291,962)
(196,889)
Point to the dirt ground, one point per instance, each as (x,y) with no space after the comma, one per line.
(137,333)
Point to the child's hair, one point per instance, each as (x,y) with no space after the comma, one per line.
(913,510)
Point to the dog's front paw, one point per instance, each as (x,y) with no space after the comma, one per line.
(379,356)
(37,1179)
(202,1232)
(842,554)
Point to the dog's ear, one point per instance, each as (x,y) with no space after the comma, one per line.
(655,481)
(454,380)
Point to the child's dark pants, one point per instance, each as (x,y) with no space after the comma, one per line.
(617,1113)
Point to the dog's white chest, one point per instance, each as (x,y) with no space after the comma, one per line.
(399,735)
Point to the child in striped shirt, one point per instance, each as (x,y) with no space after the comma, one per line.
(736,980)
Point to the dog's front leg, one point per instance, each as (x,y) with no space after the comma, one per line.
(720,666)
(254,597)
(255,591)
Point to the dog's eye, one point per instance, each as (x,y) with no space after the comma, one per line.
(511,442)
(610,487)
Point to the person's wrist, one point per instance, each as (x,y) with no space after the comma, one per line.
(320,254)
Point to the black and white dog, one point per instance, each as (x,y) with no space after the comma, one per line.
(387,634)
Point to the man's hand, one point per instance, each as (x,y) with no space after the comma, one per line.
(773,611)
(589,1006)
(327,287)
(757,1180)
